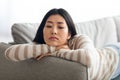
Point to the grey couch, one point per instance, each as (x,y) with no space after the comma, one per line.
(49,68)
(102,31)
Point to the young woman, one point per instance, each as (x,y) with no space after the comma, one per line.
(56,36)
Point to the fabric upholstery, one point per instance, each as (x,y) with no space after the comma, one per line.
(23,33)
(49,68)
(101,31)
(117,22)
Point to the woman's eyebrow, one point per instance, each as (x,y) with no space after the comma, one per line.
(57,22)
(49,22)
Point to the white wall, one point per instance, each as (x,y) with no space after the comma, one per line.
(13,11)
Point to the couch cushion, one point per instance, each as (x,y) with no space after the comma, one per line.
(117,22)
(24,32)
(101,31)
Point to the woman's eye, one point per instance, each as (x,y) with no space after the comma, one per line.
(61,27)
(48,26)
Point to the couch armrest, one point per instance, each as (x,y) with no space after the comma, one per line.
(3,46)
(48,68)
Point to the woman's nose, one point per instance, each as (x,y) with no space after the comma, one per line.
(54,31)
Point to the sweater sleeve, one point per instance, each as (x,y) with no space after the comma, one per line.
(25,51)
(83,51)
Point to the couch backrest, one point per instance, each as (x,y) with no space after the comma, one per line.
(24,32)
(101,31)
(117,22)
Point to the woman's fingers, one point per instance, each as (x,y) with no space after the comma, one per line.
(43,55)
(40,57)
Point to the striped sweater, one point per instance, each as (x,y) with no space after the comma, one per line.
(101,63)
(25,51)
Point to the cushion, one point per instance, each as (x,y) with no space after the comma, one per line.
(24,32)
(101,31)
(117,22)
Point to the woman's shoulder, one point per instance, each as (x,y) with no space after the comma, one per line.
(79,36)
(77,40)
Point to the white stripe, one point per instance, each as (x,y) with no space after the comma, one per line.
(30,51)
(12,53)
(38,50)
(45,49)
(52,49)
(21,52)
(68,55)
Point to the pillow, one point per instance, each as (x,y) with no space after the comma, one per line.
(117,22)
(101,31)
(24,32)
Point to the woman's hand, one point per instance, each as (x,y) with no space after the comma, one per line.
(41,56)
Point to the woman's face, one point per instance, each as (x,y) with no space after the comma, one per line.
(55,31)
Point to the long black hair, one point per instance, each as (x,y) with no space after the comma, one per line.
(71,27)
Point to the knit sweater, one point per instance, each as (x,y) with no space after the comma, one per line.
(25,51)
(101,63)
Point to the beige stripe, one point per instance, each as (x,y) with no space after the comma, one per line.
(83,44)
(103,72)
(59,55)
(78,56)
(78,41)
(26,52)
(34,51)
(17,52)
(48,49)
(71,56)
(73,41)
(42,49)
(110,57)
(64,55)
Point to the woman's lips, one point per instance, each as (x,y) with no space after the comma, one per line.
(53,38)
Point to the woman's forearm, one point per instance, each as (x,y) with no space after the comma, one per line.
(83,50)
(84,56)
(26,51)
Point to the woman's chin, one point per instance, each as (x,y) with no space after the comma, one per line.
(54,45)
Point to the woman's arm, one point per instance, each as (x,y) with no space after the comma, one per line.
(84,56)
(26,51)
(84,51)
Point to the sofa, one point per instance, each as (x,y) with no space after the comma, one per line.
(102,32)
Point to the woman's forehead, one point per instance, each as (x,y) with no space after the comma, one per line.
(55,18)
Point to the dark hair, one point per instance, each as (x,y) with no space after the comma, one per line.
(71,27)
